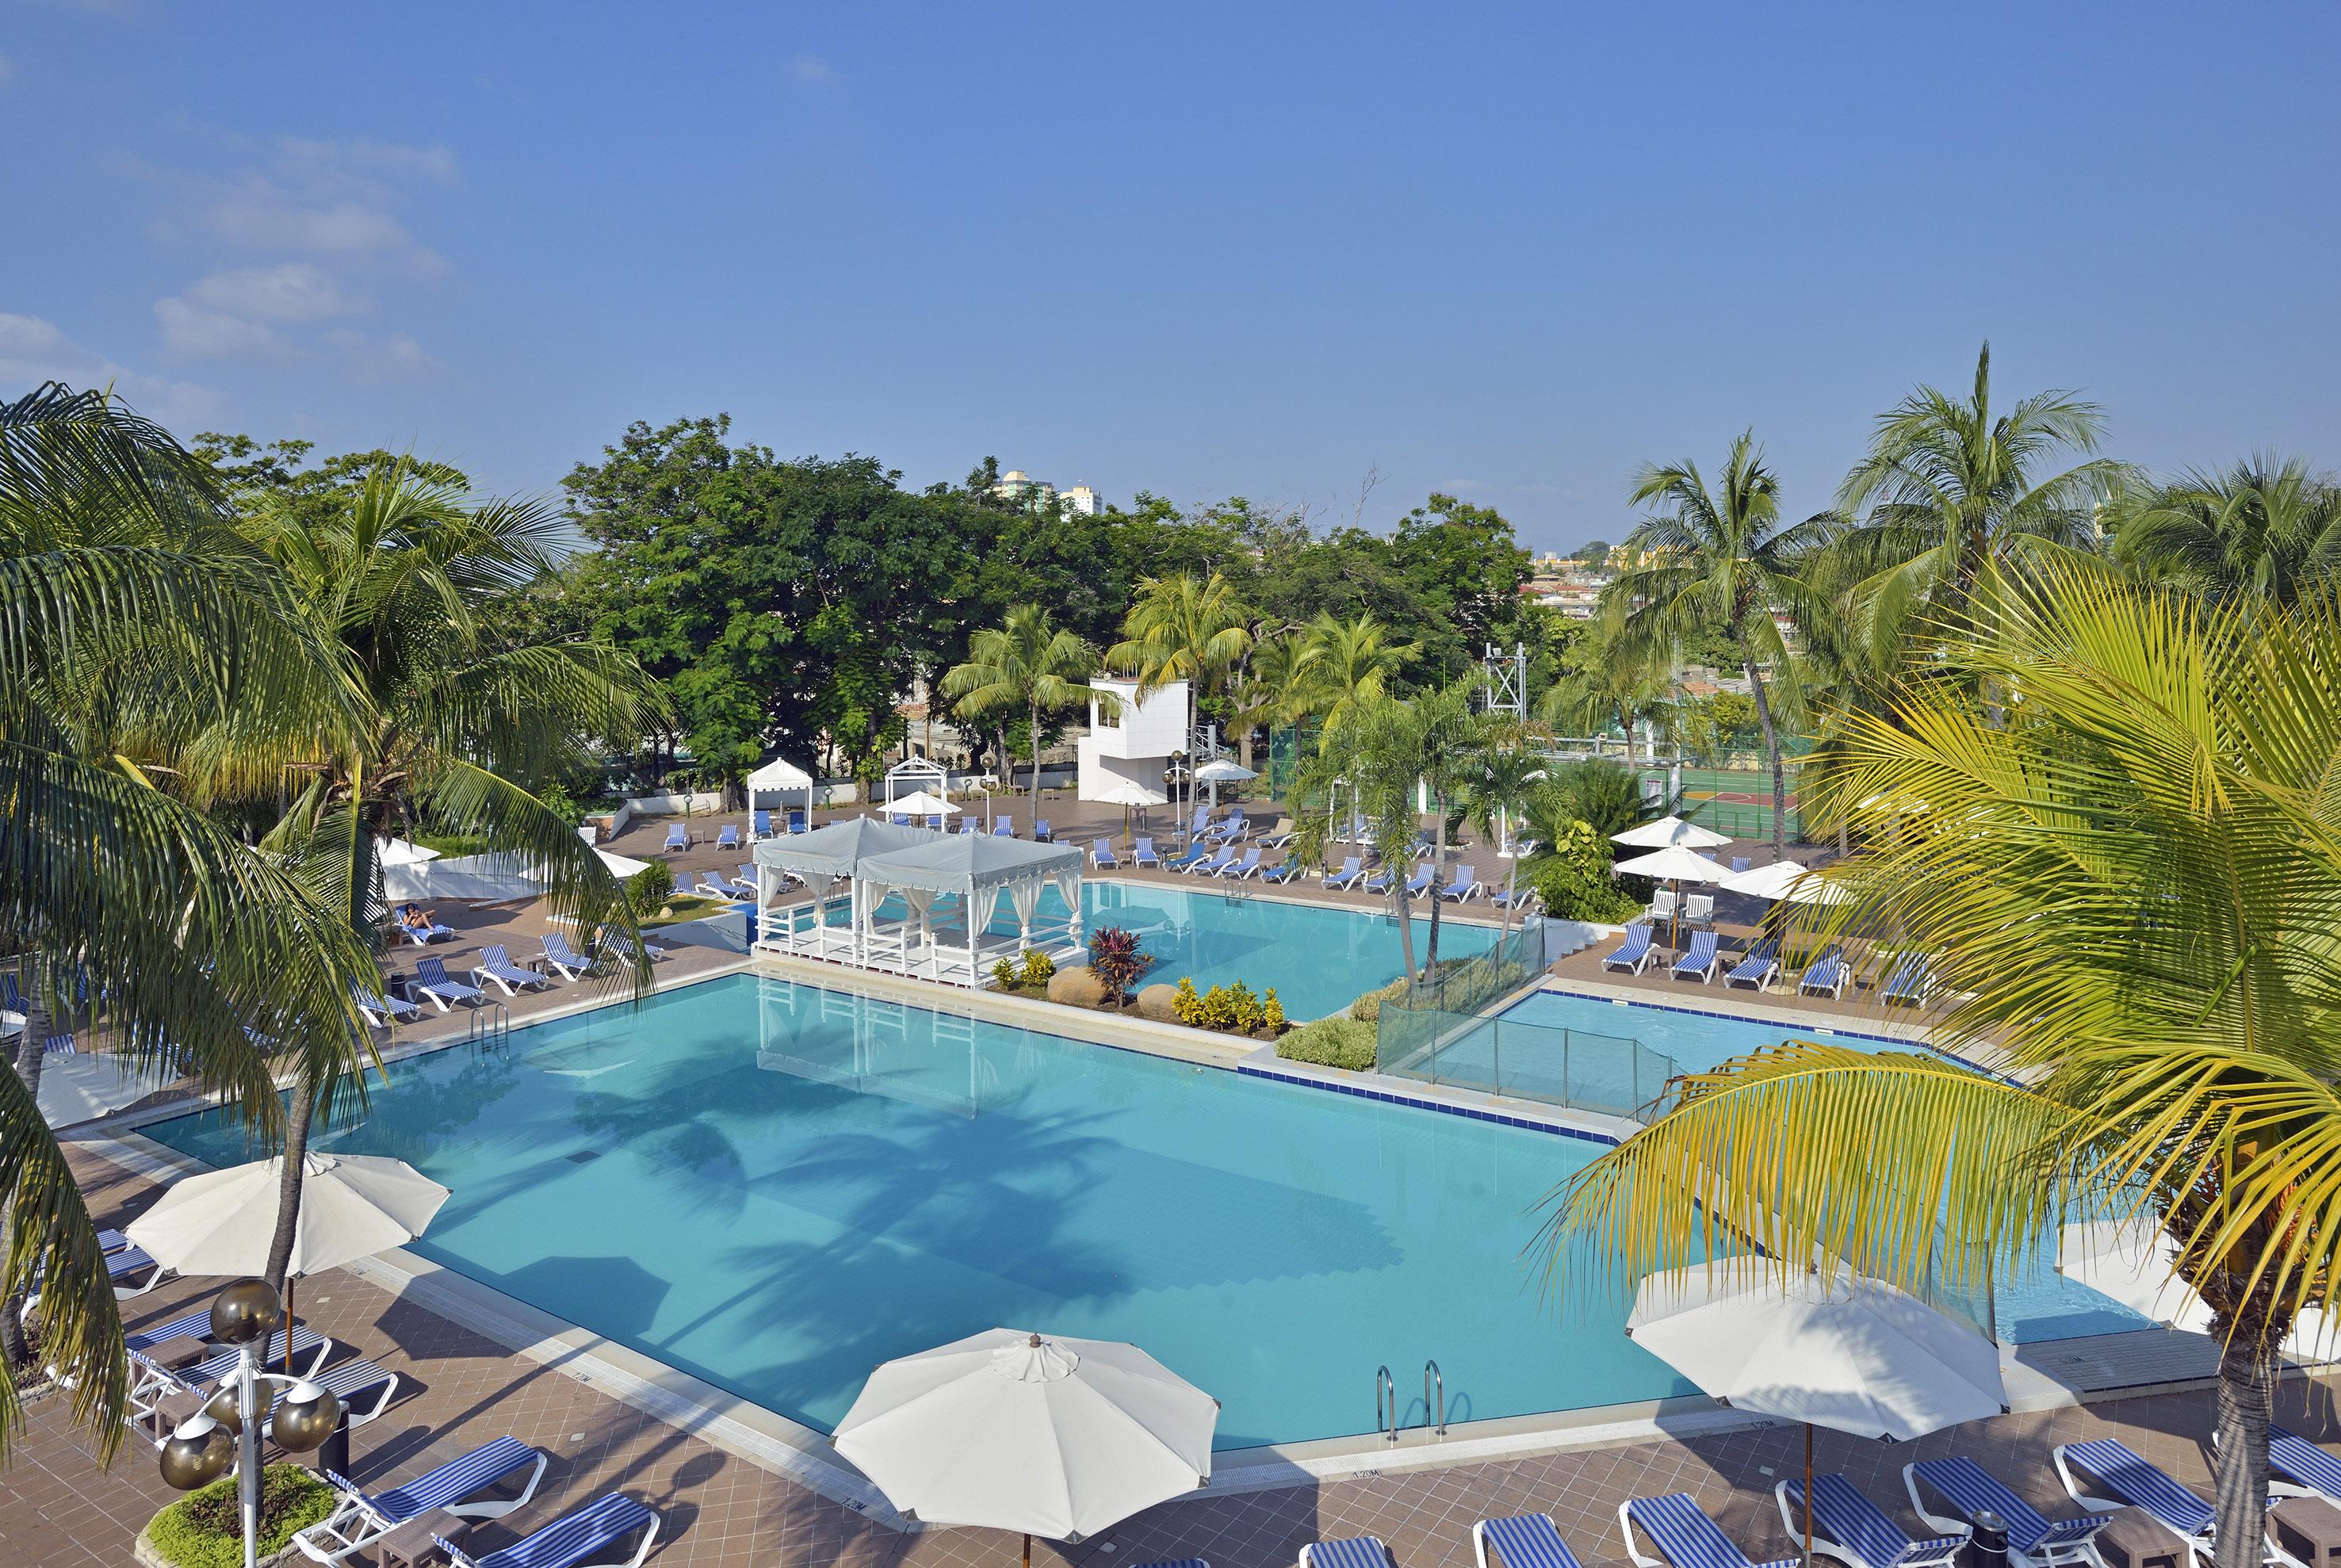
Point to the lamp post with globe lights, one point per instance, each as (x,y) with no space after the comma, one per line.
(226,1431)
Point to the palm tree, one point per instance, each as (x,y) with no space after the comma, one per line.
(1949,487)
(1180,629)
(2130,880)
(2262,530)
(1450,741)
(409,575)
(1029,664)
(135,618)
(1344,667)
(1506,783)
(1373,773)
(1720,560)
(1611,689)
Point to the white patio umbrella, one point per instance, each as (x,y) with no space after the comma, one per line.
(921,803)
(1218,771)
(1006,1430)
(1853,1353)
(1676,864)
(352,1206)
(1785,882)
(2132,1263)
(1670,831)
(1115,789)
(402,851)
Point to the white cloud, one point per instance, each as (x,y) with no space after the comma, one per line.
(811,68)
(34,350)
(289,292)
(191,332)
(371,359)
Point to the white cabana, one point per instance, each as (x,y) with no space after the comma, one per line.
(974,870)
(780,777)
(823,928)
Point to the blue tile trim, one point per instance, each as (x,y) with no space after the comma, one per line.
(1443,1107)
(1802,1031)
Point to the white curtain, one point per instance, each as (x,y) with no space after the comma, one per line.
(1025,896)
(921,900)
(1068,887)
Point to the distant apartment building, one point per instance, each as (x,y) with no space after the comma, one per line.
(1020,487)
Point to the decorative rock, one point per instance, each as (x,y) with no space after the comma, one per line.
(1076,988)
(1160,1003)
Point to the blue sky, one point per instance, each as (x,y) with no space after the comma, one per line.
(1257,250)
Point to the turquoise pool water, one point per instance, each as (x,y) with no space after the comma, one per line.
(775,1187)
(1320,958)
(2037,1305)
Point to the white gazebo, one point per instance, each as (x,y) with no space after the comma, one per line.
(780,777)
(913,775)
(973,871)
(824,927)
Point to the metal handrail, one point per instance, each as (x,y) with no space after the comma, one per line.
(491,1025)
(1430,1373)
(1385,1383)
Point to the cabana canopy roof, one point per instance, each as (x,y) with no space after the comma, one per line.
(959,862)
(780,774)
(839,849)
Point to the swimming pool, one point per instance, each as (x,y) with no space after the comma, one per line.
(775,1186)
(1520,1047)
(1319,957)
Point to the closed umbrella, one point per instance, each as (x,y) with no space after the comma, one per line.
(1851,1354)
(1670,831)
(352,1206)
(1007,1430)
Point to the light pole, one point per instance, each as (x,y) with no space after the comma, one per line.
(226,1431)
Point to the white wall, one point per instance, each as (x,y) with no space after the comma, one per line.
(1096,768)
(1156,727)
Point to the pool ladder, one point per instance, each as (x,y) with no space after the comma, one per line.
(491,1027)
(1434,1410)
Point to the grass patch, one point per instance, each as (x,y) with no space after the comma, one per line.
(204,1529)
(1337,1042)
(690,906)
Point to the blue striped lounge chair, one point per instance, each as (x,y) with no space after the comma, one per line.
(618,944)
(1847,1525)
(2302,1469)
(1911,982)
(2113,1464)
(496,964)
(1701,960)
(124,1264)
(729,836)
(1004,828)
(1218,863)
(1040,830)
(798,823)
(1283,871)
(1241,869)
(1967,1489)
(573,1538)
(424,936)
(1462,885)
(1419,883)
(1757,967)
(1144,854)
(1635,953)
(1828,972)
(1101,855)
(1513,897)
(1352,872)
(1529,1541)
(1182,1563)
(354,1382)
(970,830)
(760,824)
(743,880)
(361,1518)
(714,884)
(560,956)
(376,1008)
(13,1000)
(1355,1552)
(1740,862)
(677,837)
(1683,1533)
(432,979)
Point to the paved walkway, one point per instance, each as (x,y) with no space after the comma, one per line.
(57,1507)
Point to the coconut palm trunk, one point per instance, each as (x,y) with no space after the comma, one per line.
(1438,860)
(27,1065)
(1033,735)
(1771,748)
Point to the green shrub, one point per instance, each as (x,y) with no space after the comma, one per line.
(1003,976)
(1039,967)
(205,1529)
(1367,1009)
(648,889)
(1572,877)
(1344,1043)
(1271,1013)
(1187,1005)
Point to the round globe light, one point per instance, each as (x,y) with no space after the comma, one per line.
(222,1407)
(305,1418)
(244,1312)
(197,1451)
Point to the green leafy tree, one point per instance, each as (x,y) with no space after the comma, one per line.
(1343,668)
(2262,531)
(1720,560)
(1951,487)
(1184,628)
(1030,665)
(2130,901)
(136,620)
(1592,553)
(1505,779)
